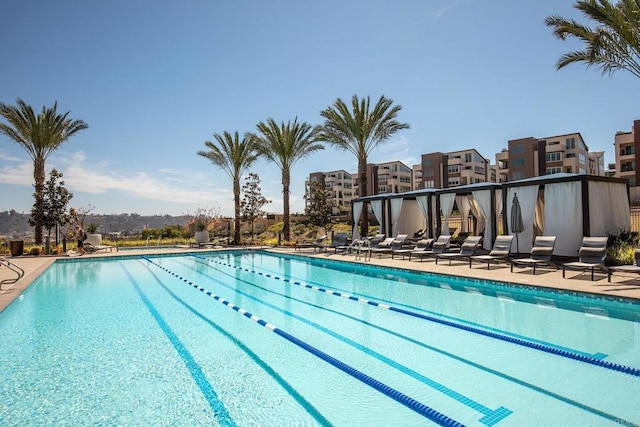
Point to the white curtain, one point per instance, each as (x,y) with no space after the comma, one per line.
(483,200)
(396,208)
(608,208)
(357,211)
(563,216)
(423,202)
(475,211)
(446,204)
(464,206)
(528,197)
(376,207)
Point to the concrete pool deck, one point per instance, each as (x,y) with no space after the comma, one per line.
(624,286)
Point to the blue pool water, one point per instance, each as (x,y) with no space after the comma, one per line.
(249,338)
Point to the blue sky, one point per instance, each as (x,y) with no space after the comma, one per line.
(155,79)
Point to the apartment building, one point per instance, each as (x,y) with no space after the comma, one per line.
(393,177)
(626,152)
(340,183)
(445,170)
(531,157)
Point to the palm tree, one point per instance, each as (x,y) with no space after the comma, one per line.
(40,135)
(284,145)
(234,157)
(613,44)
(359,130)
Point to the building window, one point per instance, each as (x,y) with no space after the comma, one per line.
(429,184)
(517,149)
(582,158)
(551,171)
(554,157)
(570,155)
(519,161)
(428,172)
(518,175)
(428,162)
(467,157)
(479,170)
(571,143)
(454,169)
(454,181)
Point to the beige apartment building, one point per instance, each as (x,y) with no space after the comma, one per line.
(626,148)
(531,157)
(340,183)
(445,170)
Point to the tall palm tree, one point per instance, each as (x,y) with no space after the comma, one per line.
(40,135)
(284,145)
(233,156)
(359,130)
(612,44)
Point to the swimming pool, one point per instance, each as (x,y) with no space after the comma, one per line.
(250,338)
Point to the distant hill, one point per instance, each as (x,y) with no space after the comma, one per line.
(15,225)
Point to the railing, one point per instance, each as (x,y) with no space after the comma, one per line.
(11,266)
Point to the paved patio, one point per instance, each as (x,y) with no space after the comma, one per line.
(627,286)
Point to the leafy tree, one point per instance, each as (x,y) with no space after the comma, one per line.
(359,130)
(233,156)
(284,145)
(612,44)
(40,135)
(319,205)
(52,211)
(252,200)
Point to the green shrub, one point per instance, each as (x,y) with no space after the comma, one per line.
(621,248)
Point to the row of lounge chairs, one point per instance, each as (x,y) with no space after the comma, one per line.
(591,254)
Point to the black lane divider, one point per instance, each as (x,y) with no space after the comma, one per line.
(388,391)
(540,347)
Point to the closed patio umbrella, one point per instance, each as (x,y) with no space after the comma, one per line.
(516,225)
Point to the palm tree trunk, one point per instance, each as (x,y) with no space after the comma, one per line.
(236,198)
(38,177)
(285,201)
(362,186)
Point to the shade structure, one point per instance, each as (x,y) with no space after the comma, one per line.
(516,225)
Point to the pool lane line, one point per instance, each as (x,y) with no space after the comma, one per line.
(388,391)
(599,355)
(518,341)
(486,420)
(490,416)
(304,403)
(210,395)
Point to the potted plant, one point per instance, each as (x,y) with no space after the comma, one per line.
(201,222)
(93,236)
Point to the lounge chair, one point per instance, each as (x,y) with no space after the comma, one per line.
(592,254)
(398,243)
(338,240)
(499,252)
(467,250)
(438,247)
(421,245)
(315,244)
(541,254)
(382,246)
(460,238)
(90,248)
(630,268)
